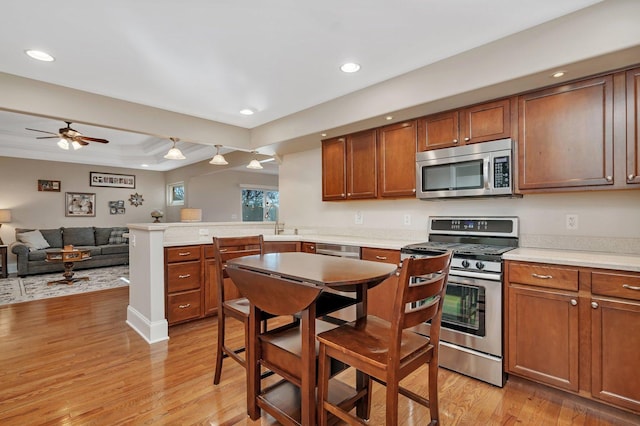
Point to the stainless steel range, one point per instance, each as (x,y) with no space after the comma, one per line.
(471,334)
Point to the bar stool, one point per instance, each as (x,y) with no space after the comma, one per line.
(388,352)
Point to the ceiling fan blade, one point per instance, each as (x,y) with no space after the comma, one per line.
(86,138)
(42,131)
(48,137)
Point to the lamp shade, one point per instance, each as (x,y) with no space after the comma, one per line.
(190,215)
(5,215)
(254,164)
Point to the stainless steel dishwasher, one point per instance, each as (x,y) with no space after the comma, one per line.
(338,250)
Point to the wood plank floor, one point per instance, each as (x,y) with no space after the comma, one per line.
(74,361)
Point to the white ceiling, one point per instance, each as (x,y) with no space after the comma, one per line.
(210,59)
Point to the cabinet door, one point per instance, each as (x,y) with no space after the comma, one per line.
(281,246)
(334,169)
(210,287)
(308,247)
(543,336)
(633,126)
(486,122)
(380,298)
(615,347)
(361,165)
(438,131)
(566,136)
(397,159)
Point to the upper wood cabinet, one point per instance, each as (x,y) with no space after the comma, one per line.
(349,167)
(633,126)
(397,159)
(478,123)
(566,136)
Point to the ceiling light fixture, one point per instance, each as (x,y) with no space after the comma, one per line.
(254,164)
(246,111)
(389,117)
(558,74)
(174,153)
(64,144)
(39,55)
(350,67)
(218,159)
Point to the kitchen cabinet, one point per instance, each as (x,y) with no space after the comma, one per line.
(183,283)
(633,126)
(307,247)
(281,246)
(349,167)
(381,297)
(566,136)
(210,283)
(397,159)
(474,124)
(575,328)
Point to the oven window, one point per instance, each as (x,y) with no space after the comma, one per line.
(463,175)
(464,308)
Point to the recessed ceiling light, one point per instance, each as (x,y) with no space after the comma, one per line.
(246,111)
(40,55)
(323,134)
(389,117)
(558,74)
(350,67)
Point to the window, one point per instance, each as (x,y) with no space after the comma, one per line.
(260,205)
(175,194)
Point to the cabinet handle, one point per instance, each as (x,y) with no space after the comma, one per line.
(631,177)
(312,247)
(381,257)
(609,178)
(574,302)
(455,141)
(223,250)
(184,276)
(542,277)
(631,287)
(594,305)
(184,253)
(467,139)
(184,306)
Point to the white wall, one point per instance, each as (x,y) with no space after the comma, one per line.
(607,220)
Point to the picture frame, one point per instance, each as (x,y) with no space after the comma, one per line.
(80,204)
(48,185)
(112,180)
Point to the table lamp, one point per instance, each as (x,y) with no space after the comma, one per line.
(5,217)
(190,215)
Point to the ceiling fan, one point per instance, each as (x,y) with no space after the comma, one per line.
(69,137)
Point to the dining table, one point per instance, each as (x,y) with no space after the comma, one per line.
(291,284)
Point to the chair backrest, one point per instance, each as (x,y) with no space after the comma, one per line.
(420,296)
(226,248)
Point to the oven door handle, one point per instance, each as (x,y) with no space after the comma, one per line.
(476,275)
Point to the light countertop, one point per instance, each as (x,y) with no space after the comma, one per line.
(624,262)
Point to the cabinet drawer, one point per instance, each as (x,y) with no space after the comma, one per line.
(616,285)
(380,255)
(182,254)
(541,275)
(209,251)
(183,276)
(183,306)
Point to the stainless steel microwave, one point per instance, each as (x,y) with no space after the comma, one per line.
(476,170)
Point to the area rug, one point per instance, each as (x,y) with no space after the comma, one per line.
(33,287)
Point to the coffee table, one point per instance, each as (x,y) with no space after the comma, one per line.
(68,259)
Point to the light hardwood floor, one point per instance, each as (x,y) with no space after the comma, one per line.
(74,361)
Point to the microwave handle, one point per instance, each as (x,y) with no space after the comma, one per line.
(487,181)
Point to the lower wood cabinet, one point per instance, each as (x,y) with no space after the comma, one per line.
(380,298)
(575,328)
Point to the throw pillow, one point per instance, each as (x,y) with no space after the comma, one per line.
(117,238)
(33,239)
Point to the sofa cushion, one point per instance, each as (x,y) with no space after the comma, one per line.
(33,239)
(115,249)
(116,236)
(81,236)
(102,235)
(53,236)
(37,255)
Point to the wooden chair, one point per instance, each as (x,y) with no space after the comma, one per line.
(231,305)
(386,351)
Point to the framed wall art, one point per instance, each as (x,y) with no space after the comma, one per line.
(80,204)
(48,185)
(112,180)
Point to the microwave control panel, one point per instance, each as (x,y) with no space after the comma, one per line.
(501,172)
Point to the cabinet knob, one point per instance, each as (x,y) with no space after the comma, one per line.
(631,177)
(574,302)
(455,141)
(414,190)
(348,194)
(342,195)
(609,178)
(594,305)
(467,139)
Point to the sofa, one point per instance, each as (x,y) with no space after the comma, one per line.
(108,247)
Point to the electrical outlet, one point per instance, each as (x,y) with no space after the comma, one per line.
(359,219)
(572,221)
(407,219)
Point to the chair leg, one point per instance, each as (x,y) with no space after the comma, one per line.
(392,403)
(323,384)
(219,355)
(433,391)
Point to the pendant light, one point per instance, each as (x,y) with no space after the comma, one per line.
(218,159)
(174,153)
(254,164)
